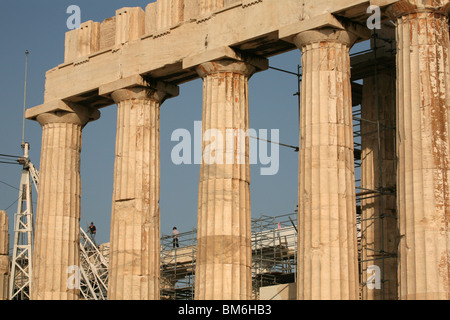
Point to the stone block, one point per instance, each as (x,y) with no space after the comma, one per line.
(130,24)
(286,291)
(83,41)
(108,33)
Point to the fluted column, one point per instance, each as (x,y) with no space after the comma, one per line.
(57,231)
(135,222)
(378,177)
(223,265)
(423,147)
(327,257)
(4,255)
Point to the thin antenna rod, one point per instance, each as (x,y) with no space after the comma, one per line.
(24,99)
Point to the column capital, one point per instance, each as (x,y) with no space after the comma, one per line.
(225,65)
(64,112)
(325,35)
(139,93)
(223,57)
(136,87)
(405,7)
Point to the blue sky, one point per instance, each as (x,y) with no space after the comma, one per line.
(40,26)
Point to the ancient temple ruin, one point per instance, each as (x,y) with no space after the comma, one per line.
(137,59)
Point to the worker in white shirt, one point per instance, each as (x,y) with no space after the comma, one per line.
(175,235)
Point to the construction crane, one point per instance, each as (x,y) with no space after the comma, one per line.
(22,264)
(93,269)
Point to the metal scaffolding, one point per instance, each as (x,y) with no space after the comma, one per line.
(274,251)
(274,256)
(178,266)
(94,268)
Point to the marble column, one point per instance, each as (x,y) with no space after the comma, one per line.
(4,255)
(423,100)
(223,265)
(327,244)
(135,222)
(57,227)
(378,177)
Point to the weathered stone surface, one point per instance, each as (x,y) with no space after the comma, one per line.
(164,14)
(83,41)
(423,149)
(135,223)
(169,32)
(327,259)
(56,243)
(379,233)
(130,25)
(405,7)
(223,265)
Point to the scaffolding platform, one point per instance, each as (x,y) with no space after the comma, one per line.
(178,266)
(274,254)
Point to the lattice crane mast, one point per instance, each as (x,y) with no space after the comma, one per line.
(22,264)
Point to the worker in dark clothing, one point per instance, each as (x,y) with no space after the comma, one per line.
(92,230)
